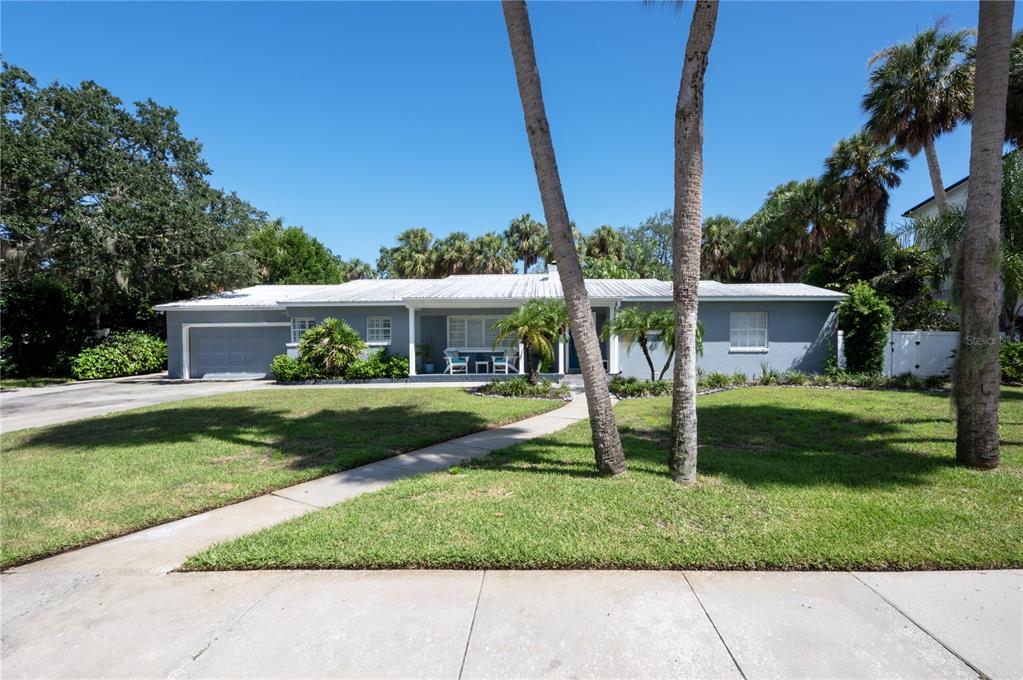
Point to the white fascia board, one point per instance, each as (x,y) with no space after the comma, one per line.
(360,303)
(217,308)
(773,298)
(456,303)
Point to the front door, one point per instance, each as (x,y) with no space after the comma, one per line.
(573,357)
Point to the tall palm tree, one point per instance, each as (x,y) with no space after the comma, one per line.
(861,171)
(451,254)
(976,367)
(685,245)
(717,247)
(607,444)
(633,325)
(527,239)
(606,243)
(918,91)
(489,254)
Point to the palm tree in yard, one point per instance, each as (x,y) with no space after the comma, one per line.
(535,325)
(861,171)
(452,253)
(607,444)
(633,325)
(527,239)
(663,323)
(489,254)
(686,236)
(918,91)
(976,369)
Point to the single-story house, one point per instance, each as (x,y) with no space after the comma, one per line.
(237,333)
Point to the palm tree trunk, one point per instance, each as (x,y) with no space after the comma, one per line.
(607,445)
(977,371)
(937,185)
(667,364)
(686,236)
(649,359)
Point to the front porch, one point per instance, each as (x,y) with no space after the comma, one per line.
(467,335)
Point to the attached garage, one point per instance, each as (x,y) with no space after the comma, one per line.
(234,351)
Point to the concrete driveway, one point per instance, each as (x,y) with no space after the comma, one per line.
(38,406)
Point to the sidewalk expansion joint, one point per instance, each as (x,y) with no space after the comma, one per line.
(714,626)
(980,673)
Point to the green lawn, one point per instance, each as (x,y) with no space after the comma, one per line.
(15,383)
(790,478)
(72,484)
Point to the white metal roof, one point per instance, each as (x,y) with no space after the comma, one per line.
(259,297)
(489,288)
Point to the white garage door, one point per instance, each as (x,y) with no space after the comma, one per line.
(244,351)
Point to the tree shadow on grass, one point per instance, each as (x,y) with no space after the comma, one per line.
(329,438)
(767,445)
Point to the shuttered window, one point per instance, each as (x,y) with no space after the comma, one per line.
(474,331)
(300,326)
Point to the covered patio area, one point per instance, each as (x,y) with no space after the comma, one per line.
(462,341)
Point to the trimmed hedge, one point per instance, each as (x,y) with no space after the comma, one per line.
(866,321)
(120,354)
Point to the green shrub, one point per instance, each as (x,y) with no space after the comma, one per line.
(906,381)
(331,346)
(119,354)
(286,369)
(739,378)
(378,365)
(716,381)
(935,382)
(1010,358)
(866,322)
(522,387)
(793,377)
(822,379)
(627,388)
(768,375)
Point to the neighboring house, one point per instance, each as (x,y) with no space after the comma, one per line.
(956,194)
(237,333)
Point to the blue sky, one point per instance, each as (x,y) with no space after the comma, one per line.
(357,121)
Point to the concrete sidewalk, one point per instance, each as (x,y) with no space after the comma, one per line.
(116,609)
(165,547)
(450,624)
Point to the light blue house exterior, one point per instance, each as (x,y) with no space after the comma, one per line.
(746,326)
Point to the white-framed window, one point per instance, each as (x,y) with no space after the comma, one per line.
(378,330)
(300,326)
(747,331)
(474,331)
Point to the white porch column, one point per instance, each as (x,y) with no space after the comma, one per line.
(561,355)
(612,343)
(411,341)
(522,358)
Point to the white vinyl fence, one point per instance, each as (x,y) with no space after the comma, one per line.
(923,353)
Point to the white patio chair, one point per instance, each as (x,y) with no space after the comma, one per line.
(455,363)
(502,363)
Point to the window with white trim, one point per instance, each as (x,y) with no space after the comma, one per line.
(747,331)
(474,331)
(300,326)
(378,330)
